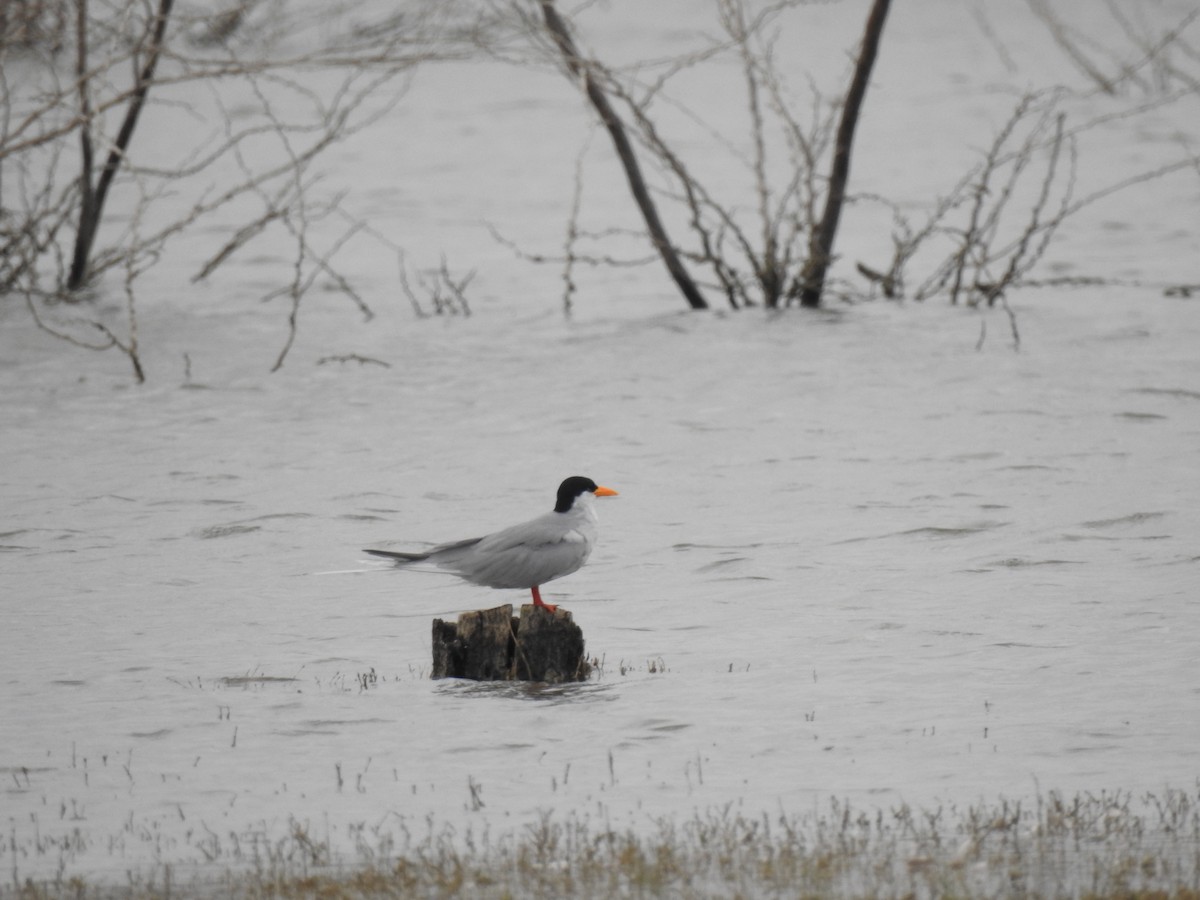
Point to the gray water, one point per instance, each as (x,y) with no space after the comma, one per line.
(859,553)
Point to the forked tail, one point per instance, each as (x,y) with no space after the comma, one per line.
(398,557)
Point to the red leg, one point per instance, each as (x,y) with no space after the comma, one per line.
(537,600)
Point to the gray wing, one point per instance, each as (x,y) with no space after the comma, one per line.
(524,556)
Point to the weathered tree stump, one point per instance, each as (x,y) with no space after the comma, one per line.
(494,645)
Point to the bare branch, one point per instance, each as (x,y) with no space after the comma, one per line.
(583,70)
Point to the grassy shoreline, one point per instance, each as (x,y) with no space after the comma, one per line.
(1105,845)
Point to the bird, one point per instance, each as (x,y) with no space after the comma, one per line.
(527,555)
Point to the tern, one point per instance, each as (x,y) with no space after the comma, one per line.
(528,555)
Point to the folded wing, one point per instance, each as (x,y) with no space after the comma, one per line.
(523,556)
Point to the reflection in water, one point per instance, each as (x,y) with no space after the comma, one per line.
(552,694)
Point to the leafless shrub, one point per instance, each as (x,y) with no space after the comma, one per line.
(33,23)
(778,253)
(975,245)
(445,294)
(985,259)
(217,75)
(986,236)
(1153,61)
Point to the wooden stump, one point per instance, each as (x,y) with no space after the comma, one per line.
(494,645)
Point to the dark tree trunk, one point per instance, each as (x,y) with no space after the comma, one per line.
(820,253)
(91,205)
(633,172)
(493,645)
(87,195)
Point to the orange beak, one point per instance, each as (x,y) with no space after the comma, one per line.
(605,492)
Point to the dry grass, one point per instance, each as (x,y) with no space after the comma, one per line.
(1091,846)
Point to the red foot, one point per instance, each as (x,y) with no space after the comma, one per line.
(537,601)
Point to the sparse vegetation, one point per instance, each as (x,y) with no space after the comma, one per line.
(263,96)
(1089,846)
(773,246)
(269,94)
(1094,846)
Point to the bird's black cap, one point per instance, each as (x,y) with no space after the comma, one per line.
(570,489)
